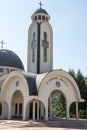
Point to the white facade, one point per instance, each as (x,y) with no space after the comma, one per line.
(40,47)
(26,95)
(15,90)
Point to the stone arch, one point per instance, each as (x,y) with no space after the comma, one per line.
(60,75)
(17,102)
(14,81)
(35,109)
(61,81)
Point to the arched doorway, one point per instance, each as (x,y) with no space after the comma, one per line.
(56,105)
(36,110)
(17,105)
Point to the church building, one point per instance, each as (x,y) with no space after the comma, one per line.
(28,94)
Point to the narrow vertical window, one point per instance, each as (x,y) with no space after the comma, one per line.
(33,55)
(34,36)
(39,17)
(45,36)
(45,54)
(33,47)
(0,109)
(16,108)
(43,17)
(45,46)
(35,17)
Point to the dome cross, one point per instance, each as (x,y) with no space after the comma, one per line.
(40,4)
(2,43)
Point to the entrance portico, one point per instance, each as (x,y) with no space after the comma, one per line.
(59,81)
(36,110)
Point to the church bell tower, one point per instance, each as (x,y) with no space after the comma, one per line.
(40,43)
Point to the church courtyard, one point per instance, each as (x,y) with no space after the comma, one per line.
(48,125)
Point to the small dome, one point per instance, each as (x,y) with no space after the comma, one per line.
(40,15)
(10,59)
(40,11)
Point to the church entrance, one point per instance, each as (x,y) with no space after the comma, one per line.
(17,105)
(36,110)
(57,105)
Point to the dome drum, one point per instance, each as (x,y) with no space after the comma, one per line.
(40,15)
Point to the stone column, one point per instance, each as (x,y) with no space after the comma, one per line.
(9,111)
(24,111)
(67,110)
(46,111)
(77,117)
(41,111)
(34,110)
(37,110)
(50,107)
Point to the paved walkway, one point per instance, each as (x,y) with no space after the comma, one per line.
(49,125)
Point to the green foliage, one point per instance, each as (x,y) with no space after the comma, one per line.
(72,73)
(59,106)
(81,82)
(80,79)
(82,85)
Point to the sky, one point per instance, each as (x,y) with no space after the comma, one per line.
(69,23)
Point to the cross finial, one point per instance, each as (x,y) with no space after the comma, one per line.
(2,43)
(40,4)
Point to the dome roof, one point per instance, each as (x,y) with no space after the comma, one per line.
(10,59)
(40,11)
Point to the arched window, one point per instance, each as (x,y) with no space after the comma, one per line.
(16,108)
(0,109)
(34,36)
(35,17)
(43,17)
(45,36)
(39,17)
(20,108)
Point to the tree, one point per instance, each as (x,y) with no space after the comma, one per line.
(81,82)
(72,73)
(59,105)
(82,85)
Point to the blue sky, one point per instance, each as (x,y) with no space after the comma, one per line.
(69,22)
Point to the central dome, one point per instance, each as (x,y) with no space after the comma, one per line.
(10,59)
(40,11)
